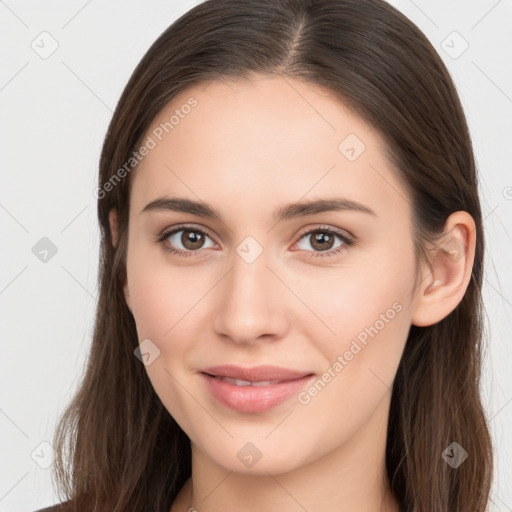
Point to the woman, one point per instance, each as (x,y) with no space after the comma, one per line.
(290,277)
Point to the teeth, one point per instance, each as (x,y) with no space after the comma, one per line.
(239,382)
(265,383)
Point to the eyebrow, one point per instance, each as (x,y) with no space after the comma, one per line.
(286,212)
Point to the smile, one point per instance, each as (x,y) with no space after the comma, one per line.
(253,397)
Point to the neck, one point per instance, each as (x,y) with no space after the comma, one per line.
(349,479)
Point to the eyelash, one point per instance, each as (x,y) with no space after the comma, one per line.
(348,241)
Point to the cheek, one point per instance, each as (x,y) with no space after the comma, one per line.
(161,296)
(348,300)
(359,362)
(365,315)
(166,302)
(161,303)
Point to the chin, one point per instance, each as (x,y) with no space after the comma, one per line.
(257,458)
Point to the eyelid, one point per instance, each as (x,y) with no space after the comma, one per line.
(343,233)
(165,233)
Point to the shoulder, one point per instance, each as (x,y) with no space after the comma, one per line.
(60,507)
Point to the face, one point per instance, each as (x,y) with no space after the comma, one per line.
(322,290)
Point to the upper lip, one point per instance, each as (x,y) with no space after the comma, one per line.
(256,373)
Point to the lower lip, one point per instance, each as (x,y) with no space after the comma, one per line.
(254,398)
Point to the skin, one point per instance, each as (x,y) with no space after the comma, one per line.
(248,148)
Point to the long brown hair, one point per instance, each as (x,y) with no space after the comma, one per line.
(117,447)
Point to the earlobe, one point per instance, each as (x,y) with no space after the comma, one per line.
(446,282)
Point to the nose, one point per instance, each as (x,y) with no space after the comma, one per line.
(251,303)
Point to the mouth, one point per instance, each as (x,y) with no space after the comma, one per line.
(241,382)
(255,394)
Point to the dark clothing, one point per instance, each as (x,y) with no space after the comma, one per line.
(60,507)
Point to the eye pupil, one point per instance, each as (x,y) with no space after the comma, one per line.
(192,239)
(322,236)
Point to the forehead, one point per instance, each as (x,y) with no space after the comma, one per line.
(269,139)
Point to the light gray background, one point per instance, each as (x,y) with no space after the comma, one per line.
(54,115)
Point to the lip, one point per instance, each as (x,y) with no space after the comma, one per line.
(256,373)
(254,399)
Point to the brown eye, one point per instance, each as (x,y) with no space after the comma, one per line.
(185,240)
(192,239)
(323,240)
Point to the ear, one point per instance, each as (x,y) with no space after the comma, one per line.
(113,221)
(445,282)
